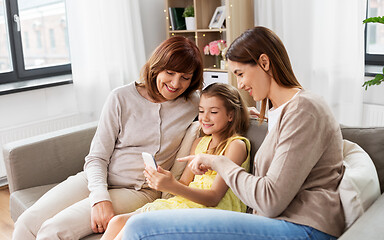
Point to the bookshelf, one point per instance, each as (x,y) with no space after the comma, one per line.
(239,17)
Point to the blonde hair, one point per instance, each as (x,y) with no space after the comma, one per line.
(178,54)
(247,49)
(233,102)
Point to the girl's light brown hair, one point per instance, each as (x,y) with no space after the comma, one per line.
(178,54)
(233,102)
(247,49)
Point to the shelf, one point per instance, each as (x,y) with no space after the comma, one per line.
(219,30)
(239,17)
(215,70)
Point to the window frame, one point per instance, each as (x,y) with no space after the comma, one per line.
(19,73)
(372,61)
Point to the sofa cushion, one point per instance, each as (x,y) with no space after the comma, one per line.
(372,141)
(359,187)
(178,167)
(256,134)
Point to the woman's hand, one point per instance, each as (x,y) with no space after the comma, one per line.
(160,180)
(101,214)
(200,163)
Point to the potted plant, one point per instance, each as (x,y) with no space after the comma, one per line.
(189,14)
(379,78)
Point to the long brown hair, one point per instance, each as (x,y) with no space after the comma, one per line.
(178,54)
(247,49)
(233,102)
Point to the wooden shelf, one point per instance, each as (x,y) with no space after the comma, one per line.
(239,17)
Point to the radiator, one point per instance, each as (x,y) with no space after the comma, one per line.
(373,115)
(32,129)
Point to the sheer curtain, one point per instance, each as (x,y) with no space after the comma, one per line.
(107,49)
(325,41)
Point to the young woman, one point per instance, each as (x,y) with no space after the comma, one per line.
(150,116)
(298,167)
(223,117)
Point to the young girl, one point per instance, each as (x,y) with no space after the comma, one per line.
(223,116)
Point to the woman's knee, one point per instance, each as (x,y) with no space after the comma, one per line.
(51,229)
(26,226)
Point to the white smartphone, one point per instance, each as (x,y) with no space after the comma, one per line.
(149,160)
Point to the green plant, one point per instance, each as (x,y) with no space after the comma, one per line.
(189,12)
(379,78)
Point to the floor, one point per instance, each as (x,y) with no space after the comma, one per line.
(6,223)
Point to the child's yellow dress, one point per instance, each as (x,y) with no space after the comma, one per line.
(228,202)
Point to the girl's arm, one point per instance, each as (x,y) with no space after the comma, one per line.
(236,151)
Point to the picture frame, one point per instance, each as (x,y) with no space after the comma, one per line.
(218,18)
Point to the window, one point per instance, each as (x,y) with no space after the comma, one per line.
(374,38)
(30,46)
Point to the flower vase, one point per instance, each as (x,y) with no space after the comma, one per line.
(217,61)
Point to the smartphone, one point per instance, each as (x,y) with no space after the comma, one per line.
(149,160)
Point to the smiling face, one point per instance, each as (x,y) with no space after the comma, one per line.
(213,116)
(171,84)
(251,78)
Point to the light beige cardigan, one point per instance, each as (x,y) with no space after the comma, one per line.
(130,124)
(298,168)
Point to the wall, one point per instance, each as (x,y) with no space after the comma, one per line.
(374,94)
(153,23)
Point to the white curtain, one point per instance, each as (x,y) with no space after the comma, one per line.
(107,49)
(325,42)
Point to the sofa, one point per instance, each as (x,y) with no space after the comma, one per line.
(36,164)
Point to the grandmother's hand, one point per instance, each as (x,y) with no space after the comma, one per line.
(101,214)
(199,163)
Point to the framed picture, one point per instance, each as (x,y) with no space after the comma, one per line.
(218,18)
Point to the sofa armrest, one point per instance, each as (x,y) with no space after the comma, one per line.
(47,158)
(370,225)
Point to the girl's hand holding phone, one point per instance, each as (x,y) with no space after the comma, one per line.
(160,180)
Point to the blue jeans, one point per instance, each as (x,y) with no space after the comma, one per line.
(198,224)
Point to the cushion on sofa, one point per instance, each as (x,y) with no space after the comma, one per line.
(178,167)
(359,187)
(372,141)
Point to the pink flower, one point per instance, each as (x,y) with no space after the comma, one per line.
(214,48)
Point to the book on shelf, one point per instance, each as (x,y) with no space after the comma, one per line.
(177,19)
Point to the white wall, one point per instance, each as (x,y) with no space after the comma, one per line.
(374,94)
(153,23)
(35,105)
